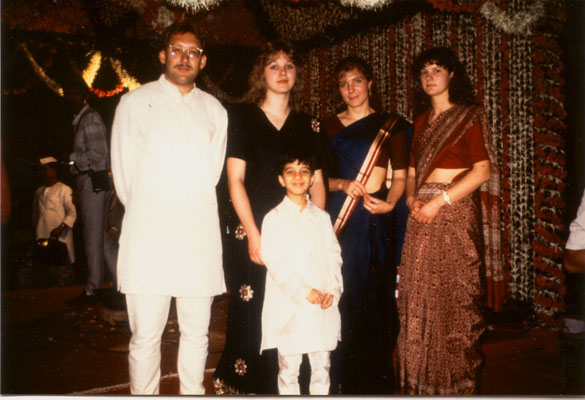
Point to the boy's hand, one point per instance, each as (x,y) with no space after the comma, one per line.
(327,301)
(314,296)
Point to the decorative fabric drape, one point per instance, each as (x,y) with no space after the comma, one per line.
(517,72)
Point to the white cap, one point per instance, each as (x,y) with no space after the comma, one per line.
(48,160)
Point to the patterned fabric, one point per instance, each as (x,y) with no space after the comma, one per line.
(520,80)
(429,145)
(440,285)
(253,139)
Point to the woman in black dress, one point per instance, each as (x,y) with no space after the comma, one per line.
(258,133)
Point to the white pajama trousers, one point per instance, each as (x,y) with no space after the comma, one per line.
(148,315)
(288,373)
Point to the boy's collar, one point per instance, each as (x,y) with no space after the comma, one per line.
(291,205)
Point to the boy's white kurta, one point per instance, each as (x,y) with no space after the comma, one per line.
(52,206)
(167,155)
(301,252)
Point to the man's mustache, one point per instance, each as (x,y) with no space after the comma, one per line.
(183,66)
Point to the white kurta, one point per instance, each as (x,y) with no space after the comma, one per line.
(576,240)
(167,155)
(301,252)
(52,206)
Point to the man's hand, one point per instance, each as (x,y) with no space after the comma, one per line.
(58,231)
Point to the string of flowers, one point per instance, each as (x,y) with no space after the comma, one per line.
(22,90)
(365,4)
(550,165)
(514,77)
(451,6)
(107,93)
(519,23)
(194,6)
(41,72)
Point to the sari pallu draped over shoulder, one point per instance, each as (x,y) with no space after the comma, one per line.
(363,364)
(358,161)
(428,148)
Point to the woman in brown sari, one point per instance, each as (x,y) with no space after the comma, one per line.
(443,254)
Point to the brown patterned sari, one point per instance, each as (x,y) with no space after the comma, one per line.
(441,278)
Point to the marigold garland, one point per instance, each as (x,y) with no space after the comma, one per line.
(107,93)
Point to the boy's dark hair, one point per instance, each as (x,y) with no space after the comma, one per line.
(295,154)
(180,27)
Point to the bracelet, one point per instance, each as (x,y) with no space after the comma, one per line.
(446,197)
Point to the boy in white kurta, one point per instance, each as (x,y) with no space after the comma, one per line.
(303,284)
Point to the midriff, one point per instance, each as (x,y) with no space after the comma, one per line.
(445,175)
(377,179)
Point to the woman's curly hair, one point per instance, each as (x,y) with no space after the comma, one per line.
(460,88)
(257,84)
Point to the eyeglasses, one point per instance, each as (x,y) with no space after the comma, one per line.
(191,52)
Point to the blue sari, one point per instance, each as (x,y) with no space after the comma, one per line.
(364,361)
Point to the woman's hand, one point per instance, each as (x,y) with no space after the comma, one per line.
(377,206)
(353,189)
(427,212)
(254,249)
(413,205)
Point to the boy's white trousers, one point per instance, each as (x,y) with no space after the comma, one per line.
(288,373)
(147,315)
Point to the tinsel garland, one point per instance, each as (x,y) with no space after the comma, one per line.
(193,6)
(127,81)
(519,23)
(365,4)
(92,68)
(41,72)
(520,82)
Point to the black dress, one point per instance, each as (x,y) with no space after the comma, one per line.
(253,138)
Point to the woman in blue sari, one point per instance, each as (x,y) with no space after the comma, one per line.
(369,155)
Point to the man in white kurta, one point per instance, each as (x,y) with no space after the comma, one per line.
(168,149)
(302,254)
